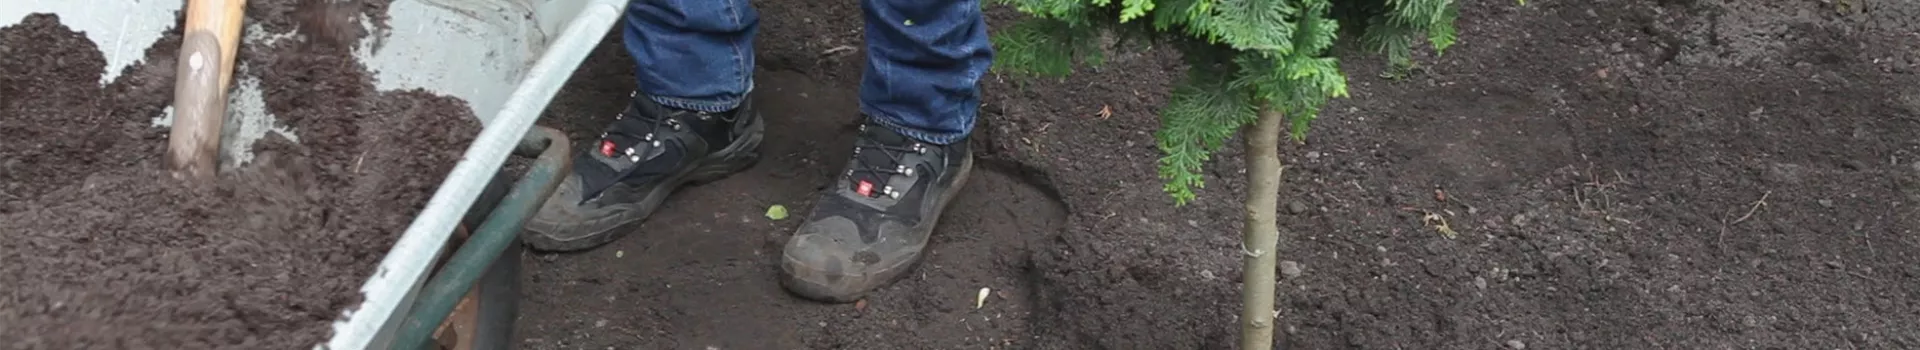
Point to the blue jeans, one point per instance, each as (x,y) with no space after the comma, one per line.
(924,59)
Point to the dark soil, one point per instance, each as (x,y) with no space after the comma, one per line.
(1623,174)
(103,249)
(698,274)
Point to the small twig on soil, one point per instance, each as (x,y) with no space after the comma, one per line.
(1109,200)
(1604,204)
(1728,226)
(357,160)
(836,49)
(1756,207)
(1862,276)
(1578,201)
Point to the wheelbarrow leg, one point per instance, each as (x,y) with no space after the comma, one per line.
(490,241)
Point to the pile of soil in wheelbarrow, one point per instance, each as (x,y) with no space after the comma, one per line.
(103,249)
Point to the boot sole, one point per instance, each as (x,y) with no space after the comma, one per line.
(738,156)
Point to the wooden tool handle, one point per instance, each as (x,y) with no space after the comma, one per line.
(202,75)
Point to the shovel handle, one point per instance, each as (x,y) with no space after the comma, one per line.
(202,74)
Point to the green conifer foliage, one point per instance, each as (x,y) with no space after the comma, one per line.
(1244,55)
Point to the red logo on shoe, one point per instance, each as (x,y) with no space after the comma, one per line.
(606,148)
(865,189)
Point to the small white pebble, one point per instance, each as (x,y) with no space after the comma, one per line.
(1290,269)
(982,299)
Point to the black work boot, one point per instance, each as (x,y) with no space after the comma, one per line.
(873,222)
(648,152)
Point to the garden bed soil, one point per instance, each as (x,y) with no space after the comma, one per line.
(1622,174)
(103,249)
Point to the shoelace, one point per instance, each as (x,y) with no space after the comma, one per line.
(632,137)
(892,164)
(630,129)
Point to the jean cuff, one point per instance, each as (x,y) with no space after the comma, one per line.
(722,104)
(892,123)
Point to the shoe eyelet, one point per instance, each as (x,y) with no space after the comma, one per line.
(635,159)
(655,143)
(629,151)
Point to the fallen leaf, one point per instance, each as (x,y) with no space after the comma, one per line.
(1105,112)
(777,212)
(1439,223)
(982,299)
(860,305)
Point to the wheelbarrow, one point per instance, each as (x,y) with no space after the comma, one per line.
(461,251)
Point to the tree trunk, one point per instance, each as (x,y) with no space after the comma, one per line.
(1262,233)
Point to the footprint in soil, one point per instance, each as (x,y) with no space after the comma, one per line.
(702,272)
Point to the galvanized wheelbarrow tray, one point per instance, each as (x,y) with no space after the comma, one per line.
(530,48)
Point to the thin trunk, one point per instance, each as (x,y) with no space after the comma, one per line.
(1261,231)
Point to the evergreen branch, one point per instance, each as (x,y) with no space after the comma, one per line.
(1242,54)
(1044,47)
(1441,32)
(1198,119)
(1254,25)
(1131,9)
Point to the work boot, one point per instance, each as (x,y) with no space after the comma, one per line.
(873,223)
(648,152)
